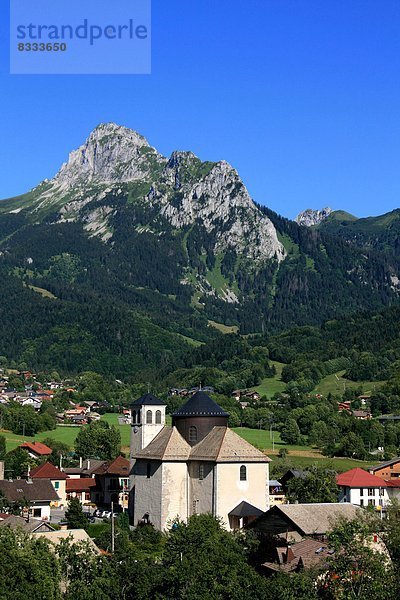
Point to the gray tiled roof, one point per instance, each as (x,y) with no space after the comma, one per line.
(35,491)
(220,445)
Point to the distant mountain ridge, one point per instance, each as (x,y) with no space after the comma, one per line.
(123,234)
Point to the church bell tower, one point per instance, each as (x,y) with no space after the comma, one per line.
(147,420)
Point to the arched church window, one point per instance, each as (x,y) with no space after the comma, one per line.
(192,434)
(149,417)
(148,470)
(158,417)
(243,473)
(201,472)
(134,416)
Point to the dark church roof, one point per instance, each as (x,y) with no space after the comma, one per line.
(148,399)
(200,405)
(244,509)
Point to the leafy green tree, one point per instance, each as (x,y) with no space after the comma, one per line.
(318,486)
(17,462)
(98,440)
(352,446)
(202,560)
(85,575)
(74,515)
(290,433)
(357,570)
(59,449)
(28,568)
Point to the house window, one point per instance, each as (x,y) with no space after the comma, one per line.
(192,434)
(361,491)
(243,473)
(56,485)
(362,502)
(158,417)
(381,492)
(149,417)
(371,491)
(201,472)
(371,502)
(148,470)
(37,512)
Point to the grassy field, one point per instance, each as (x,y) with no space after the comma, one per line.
(300,456)
(270,386)
(337,384)
(66,435)
(223,328)
(334,384)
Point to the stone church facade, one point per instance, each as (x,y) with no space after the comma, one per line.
(197,465)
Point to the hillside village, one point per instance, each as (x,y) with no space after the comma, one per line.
(189,464)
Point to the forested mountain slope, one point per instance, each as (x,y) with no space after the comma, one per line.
(119,262)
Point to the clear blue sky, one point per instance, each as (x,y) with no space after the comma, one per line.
(301,96)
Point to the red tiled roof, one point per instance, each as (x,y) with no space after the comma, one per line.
(358,478)
(37,447)
(118,466)
(82,484)
(47,471)
(395,483)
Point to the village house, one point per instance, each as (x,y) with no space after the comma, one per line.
(291,558)
(36,449)
(295,522)
(363,415)
(112,483)
(81,488)
(360,487)
(276,493)
(57,478)
(76,536)
(39,494)
(246,395)
(388,470)
(85,469)
(197,465)
(26,524)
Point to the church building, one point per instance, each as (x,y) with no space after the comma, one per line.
(197,465)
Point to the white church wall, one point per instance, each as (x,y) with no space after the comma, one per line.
(200,487)
(174,492)
(230,490)
(148,492)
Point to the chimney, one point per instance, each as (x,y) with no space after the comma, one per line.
(289,556)
(88,463)
(80,462)
(1,470)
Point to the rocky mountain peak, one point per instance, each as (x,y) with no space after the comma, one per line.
(111,153)
(311,217)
